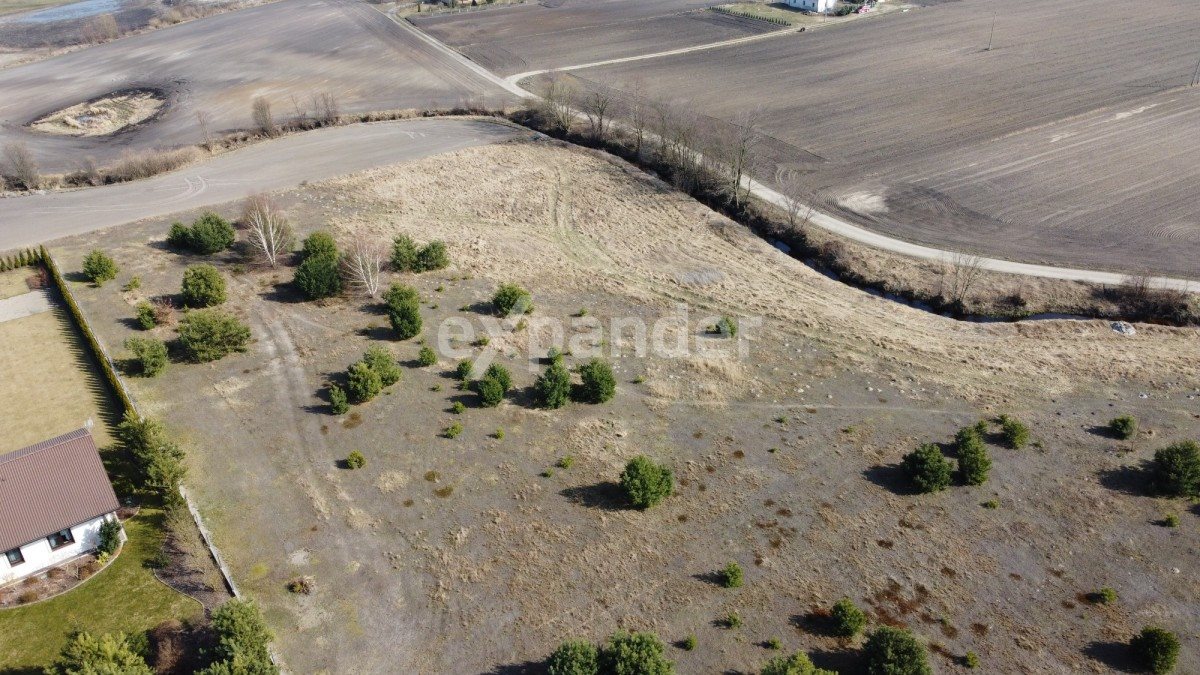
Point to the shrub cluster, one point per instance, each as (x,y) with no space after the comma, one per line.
(203,286)
(494,385)
(894,651)
(208,234)
(927,469)
(158,459)
(110,653)
(623,654)
(973,461)
(1155,649)
(149,354)
(403,307)
(599,385)
(732,576)
(355,460)
(406,257)
(1123,427)
(511,299)
(242,639)
(1175,470)
(20,259)
(110,537)
(99,267)
(553,387)
(210,334)
(1015,434)
(645,483)
(370,374)
(318,275)
(147,318)
(846,619)
(427,357)
(339,403)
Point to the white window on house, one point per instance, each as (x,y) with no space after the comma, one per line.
(14,557)
(60,539)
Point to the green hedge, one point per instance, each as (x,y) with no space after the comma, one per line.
(25,258)
(98,350)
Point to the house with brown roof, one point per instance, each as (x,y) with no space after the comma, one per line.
(54,496)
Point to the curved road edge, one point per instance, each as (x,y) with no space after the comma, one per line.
(824,220)
(262,167)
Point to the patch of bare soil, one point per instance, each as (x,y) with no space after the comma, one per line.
(103,116)
(480,553)
(189,568)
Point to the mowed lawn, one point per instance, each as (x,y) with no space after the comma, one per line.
(48,382)
(125,596)
(50,385)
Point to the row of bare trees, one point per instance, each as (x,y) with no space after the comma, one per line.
(701,151)
(319,110)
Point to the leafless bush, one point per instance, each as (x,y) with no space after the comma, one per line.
(269,232)
(204,121)
(326,110)
(957,276)
(100,29)
(730,150)
(136,165)
(362,263)
(792,190)
(264,121)
(596,106)
(558,96)
(20,167)
(88,173)
(1141,299)
(164,311)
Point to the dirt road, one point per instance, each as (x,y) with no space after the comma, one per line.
(283,163)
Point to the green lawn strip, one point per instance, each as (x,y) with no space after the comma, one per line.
(124,597)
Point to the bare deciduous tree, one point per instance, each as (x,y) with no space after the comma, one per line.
(260,112)
(731,149)
(558,96)
(20,167)
(204,121)
(792,190)
(363,262)
(595,106)
(269,232)
(638,114)
(956,282)
(326,107)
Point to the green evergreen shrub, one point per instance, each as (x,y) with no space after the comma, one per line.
(99,267)
(203,286)
(645,483)
(927,469)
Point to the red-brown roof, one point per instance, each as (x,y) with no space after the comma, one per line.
(51,486)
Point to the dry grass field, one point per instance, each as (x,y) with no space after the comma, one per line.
(1068,142)
(533,37)
(458,555)
(49,383)
(287,52)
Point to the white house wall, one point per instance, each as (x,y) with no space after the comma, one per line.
(38,555)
